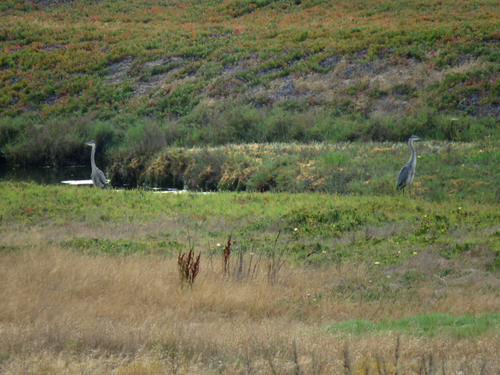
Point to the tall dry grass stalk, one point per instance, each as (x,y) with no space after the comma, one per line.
(188,267)
(226,257)
(65,313)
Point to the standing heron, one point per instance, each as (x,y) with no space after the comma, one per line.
(406,173)
(98,177)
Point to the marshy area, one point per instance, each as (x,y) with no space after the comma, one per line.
(336,155)
(310,260)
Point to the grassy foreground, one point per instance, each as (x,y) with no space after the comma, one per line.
(316,284)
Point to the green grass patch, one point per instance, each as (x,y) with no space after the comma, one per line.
(317,229)
(427,325)
(98,246)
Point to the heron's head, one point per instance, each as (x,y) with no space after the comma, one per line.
(90,143)
(414,138)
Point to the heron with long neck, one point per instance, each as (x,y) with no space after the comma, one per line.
(406,174)
(98,177)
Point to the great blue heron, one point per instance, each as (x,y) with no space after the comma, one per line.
(98,177)
(406,173)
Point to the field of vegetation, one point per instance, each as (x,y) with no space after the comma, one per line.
(305,283)
(137,77)
(291,251)
(444,169)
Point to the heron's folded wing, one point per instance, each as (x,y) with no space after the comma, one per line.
(403,175)
(102,177)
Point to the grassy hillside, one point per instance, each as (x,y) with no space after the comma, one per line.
(242,71)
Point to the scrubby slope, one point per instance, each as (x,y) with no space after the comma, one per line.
(168,59)
(164,57)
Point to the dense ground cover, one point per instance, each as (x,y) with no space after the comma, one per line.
(444,169)
(236,72)
(316,282)
(63,51)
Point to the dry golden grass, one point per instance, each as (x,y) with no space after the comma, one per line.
(315,84)
(66,313)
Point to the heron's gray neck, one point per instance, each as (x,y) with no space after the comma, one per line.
(413,159)
(92,158)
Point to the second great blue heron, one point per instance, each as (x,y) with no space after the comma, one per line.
(98,177)
(406,173)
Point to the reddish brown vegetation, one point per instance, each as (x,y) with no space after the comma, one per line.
(188,267)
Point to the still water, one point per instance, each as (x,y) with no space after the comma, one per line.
(43,175)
